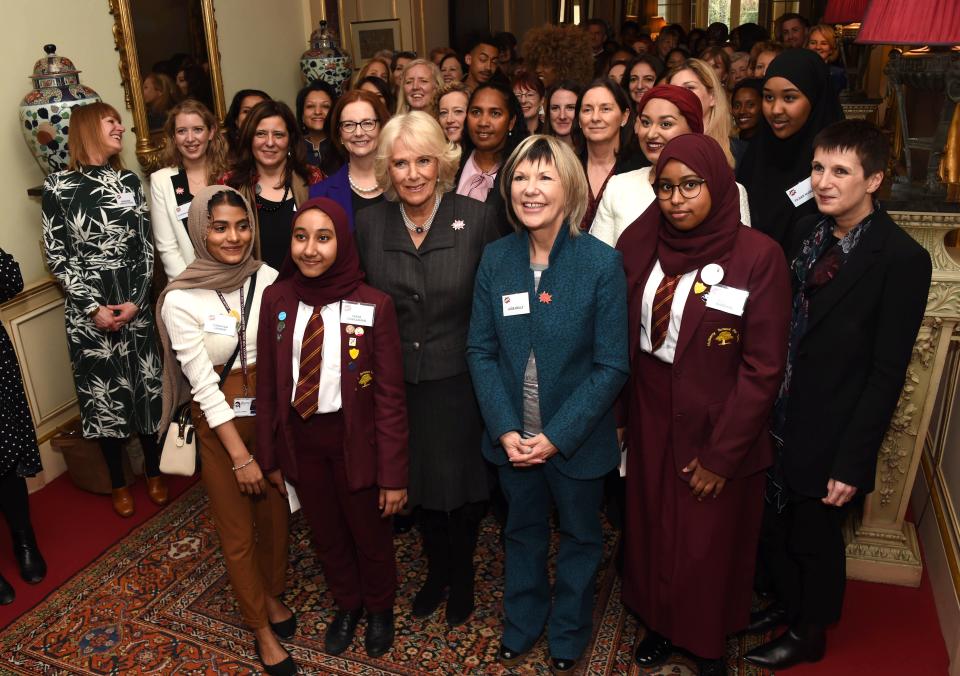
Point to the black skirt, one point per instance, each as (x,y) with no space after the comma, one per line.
(447,469)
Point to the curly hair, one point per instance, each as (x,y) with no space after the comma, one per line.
(216,156)
(564,48)
(447,89)
(422,134)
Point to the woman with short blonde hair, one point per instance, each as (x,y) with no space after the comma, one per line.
(548,355)
(422,247)
(421,133)
(699,77)
(450,104)
(419,82)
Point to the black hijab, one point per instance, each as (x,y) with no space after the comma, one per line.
(771,166)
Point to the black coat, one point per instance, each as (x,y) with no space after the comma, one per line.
(432,287)
(851,362)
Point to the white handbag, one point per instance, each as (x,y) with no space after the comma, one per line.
(179,455)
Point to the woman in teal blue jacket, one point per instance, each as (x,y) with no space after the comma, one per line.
(548,354)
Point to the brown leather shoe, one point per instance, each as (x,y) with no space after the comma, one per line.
(157,490)
(123,502)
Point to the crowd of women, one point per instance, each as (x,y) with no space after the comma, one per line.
(387,302)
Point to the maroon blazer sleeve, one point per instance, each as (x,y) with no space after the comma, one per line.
(766,325)
(390,401)
(267,385)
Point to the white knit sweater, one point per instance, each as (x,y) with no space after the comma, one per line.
(184,313)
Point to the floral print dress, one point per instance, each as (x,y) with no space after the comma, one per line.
(98,243)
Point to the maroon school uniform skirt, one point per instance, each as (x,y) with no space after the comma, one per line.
(688,569)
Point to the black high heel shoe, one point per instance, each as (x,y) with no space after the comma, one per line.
(7,595)
(29,559)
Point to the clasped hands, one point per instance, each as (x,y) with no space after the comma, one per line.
(114,317)
(527,452)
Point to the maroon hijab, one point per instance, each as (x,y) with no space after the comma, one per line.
(684,99)
(343,277)
(680,252)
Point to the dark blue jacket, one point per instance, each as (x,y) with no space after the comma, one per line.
(577,328)
(337,188)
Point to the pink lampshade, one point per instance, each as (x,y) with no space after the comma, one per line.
(917,22)
(845,11)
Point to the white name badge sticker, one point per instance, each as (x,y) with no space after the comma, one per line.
(802,192)
(727,299)
(516,304)
(222,325)
(245,407)
(183,210)
(357,313)
(126,199)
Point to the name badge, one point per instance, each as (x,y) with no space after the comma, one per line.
(357,313)
(245,407)
(127,199)
(802,192)
(727,299)
(183,210)
(516,304)
(222,325)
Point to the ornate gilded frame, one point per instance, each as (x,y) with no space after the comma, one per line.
(149,147)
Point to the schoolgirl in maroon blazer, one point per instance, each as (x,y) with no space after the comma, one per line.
(331,416)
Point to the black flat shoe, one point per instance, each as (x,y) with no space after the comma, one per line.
(509,657)
(285,629)
(653,650)
(285,668)
(559,665)
(32,566)
(379,638)
(340,633)
(791,648)
(7,595)
(771,617)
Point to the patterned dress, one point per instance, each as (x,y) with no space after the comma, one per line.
(98,243)
(18,442)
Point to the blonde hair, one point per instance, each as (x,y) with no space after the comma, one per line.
(402,105)
(85,138)
(543,148)
(216,155)
(362,73)
(421,134)
(717,121)
(448,88)
(830,35)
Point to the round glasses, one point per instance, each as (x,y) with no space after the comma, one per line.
(351,126)
(688,189)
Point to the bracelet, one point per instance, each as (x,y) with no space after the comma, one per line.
(239,467)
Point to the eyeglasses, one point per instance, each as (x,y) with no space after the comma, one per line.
(350,126)
(688,189)
(526,95)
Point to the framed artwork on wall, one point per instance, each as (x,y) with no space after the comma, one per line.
(369,37)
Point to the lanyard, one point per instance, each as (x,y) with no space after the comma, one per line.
(242,336)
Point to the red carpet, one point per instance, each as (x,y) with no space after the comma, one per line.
(885,629)
(73,527)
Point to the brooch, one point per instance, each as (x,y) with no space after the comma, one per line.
(458,224)
(545,297)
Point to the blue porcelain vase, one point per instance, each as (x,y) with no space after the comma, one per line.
(45,110)
(324,60)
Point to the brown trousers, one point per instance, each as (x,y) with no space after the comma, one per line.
(252,529)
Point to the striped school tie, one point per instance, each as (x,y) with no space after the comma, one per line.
(662,303)
(311,359)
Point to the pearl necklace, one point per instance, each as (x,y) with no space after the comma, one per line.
(420,229)
(358,188)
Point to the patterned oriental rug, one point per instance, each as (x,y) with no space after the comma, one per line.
(159,603)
